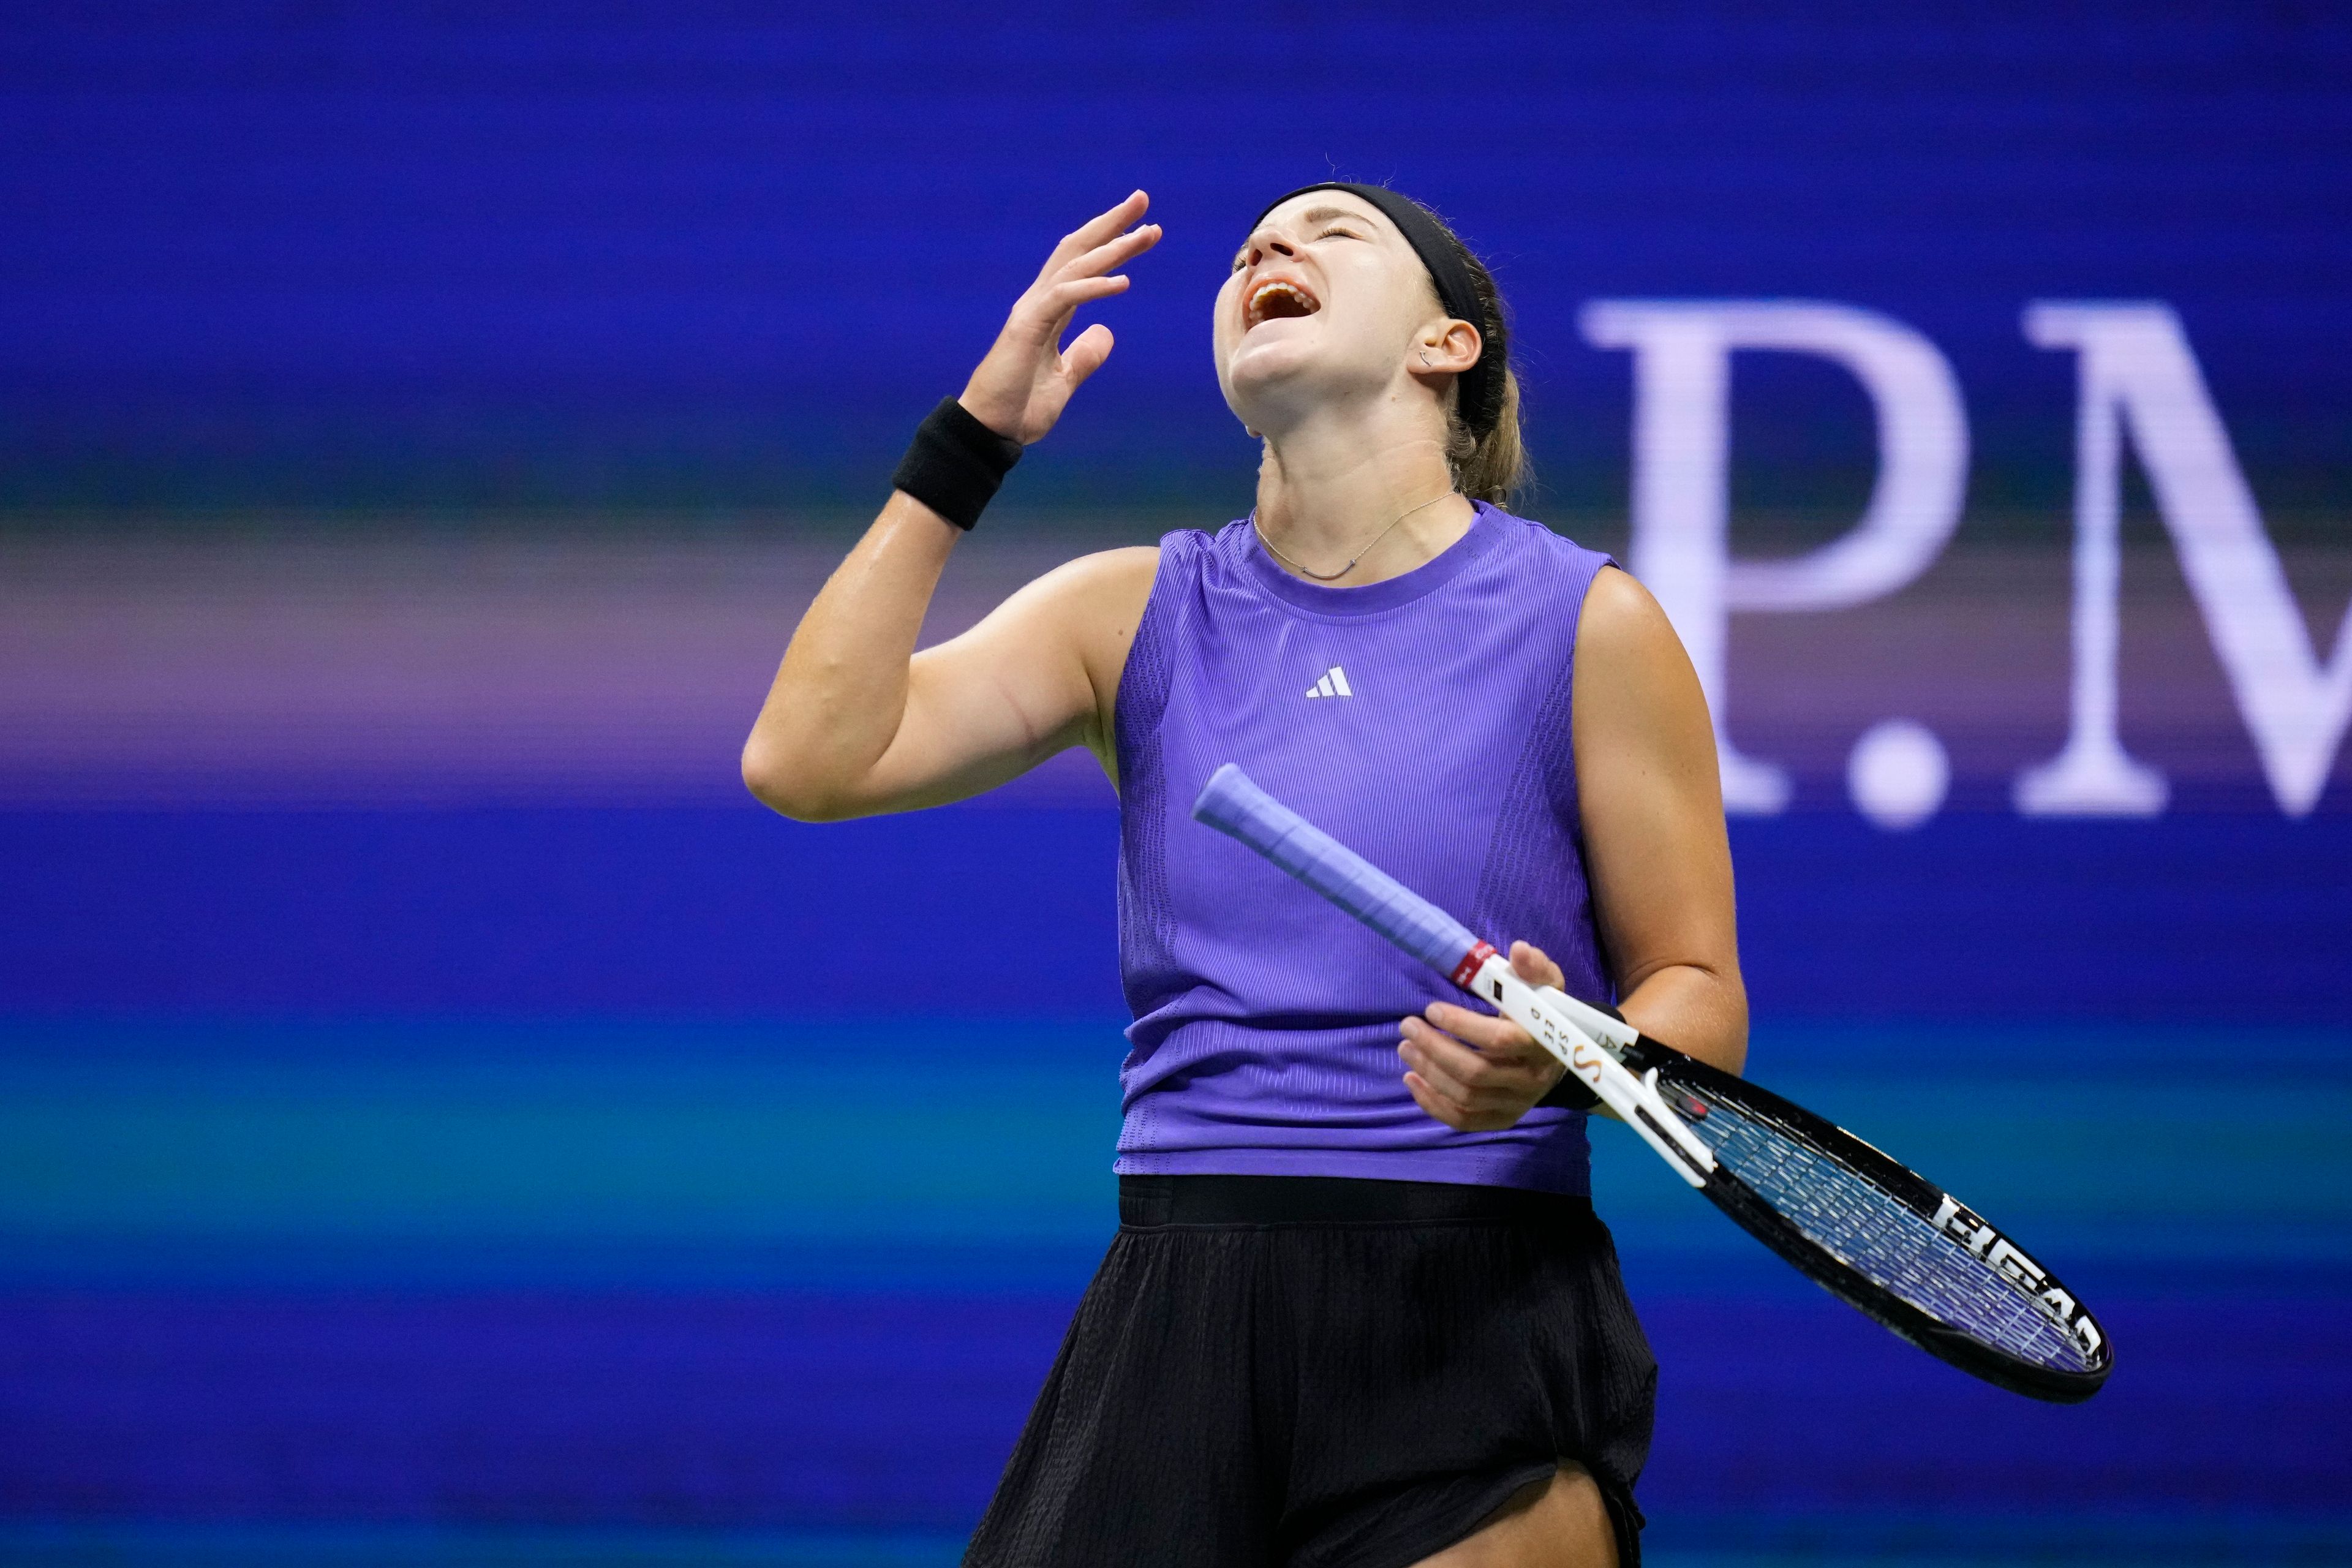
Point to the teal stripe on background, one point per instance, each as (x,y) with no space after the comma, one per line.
(828,1152)
(662,1151)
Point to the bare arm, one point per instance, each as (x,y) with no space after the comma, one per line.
(1655,844)
(856,721)
(1659,863)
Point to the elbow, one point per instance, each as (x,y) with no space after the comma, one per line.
(789,791)
(1734,1058)
(1697,1006)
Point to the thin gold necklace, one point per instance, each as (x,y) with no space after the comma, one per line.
(1351,566)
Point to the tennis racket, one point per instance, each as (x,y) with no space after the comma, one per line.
(1878,1235)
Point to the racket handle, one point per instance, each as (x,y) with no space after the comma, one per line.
(1557,1022)
(1570,1030)
(1233,805)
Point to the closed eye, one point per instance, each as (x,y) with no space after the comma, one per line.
(1241,258)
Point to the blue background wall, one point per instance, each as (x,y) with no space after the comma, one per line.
(439,1122)
(709,256)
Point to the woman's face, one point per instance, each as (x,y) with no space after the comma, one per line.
(1326,302)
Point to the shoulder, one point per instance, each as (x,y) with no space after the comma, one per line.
(1617,604)
(1182,560)
(1197,551)
(1550,571)
(1546,543)
(1124,578)
(1551,582)
(1086,605)
(1107,571)
(1098,595)
(1084,612)
(1627,656)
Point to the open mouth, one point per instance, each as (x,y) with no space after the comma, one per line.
(1277,300)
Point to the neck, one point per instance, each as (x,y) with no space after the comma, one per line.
(1330,486)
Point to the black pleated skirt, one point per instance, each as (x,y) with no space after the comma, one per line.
(1317,1372)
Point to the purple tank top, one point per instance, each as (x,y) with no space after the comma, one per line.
(1425,722)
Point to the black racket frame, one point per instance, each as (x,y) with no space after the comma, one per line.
(1752,1214)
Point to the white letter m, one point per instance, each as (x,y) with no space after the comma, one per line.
(2137,375)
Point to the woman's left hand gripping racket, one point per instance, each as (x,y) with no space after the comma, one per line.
(1876,1235)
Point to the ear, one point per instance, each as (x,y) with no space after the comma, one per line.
(1447,348)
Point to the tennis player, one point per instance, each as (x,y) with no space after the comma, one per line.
(1359,1310)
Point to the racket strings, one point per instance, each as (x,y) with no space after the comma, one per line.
(1882,1237)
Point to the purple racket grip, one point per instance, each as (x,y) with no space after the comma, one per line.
(1232,805)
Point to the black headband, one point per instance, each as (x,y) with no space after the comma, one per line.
(1480,396)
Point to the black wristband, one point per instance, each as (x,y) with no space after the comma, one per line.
(1570,1093)
(955,463)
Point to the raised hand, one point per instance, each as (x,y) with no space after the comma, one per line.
(1474,1071)
(1026,379)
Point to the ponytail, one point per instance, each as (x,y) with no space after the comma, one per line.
(1492,467)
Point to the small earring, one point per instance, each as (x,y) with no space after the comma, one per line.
(1424,357)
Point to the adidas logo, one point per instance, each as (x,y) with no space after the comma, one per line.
(1333,684)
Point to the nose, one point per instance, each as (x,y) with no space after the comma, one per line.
(1265,244)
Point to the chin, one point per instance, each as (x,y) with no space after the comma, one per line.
(1260,379)
(1264,410)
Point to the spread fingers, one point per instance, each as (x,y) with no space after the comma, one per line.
(1096,230)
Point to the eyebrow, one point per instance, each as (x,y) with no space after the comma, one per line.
(1325,215)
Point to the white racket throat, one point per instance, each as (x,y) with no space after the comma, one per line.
(1873,1232)
(1587,1041)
